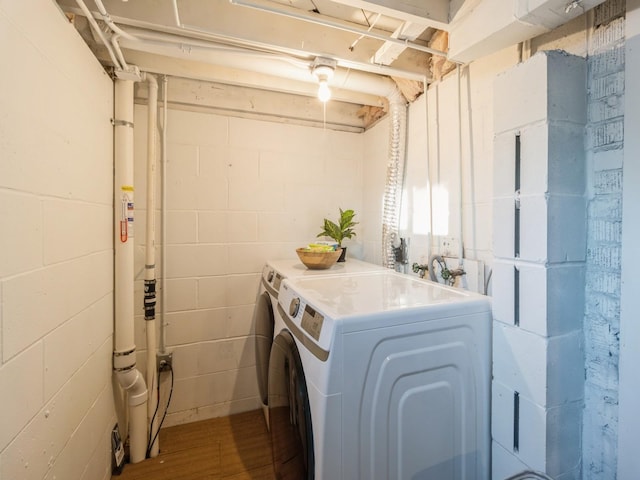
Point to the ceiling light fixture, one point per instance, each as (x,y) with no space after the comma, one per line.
(323,69)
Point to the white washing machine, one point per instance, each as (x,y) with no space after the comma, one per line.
(380,376)
(266,320)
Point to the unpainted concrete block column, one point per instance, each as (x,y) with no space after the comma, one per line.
(539,272)
(605,136)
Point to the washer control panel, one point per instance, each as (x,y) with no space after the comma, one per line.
(309,321)
(312,322)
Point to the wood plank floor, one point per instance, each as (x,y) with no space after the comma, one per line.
(237,447)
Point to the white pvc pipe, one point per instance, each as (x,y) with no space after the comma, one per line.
(163,209)
(150,260)
(107,19)
(428,161)
(307,17)
(124,354)
(460,183)
(123,203)
(98,31)
(347,79)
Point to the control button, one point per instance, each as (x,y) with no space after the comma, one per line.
(294,306)
(270,276)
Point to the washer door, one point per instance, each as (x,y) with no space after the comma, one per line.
(289,412)
(263,321)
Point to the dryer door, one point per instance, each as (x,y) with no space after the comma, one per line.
(289,412)
(263,321)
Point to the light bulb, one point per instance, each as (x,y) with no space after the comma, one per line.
(324,93)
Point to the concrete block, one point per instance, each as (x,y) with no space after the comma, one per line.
(504,463)
(242,289)
(551,298)
(504,163)
(87,331)
(242,226)
(212,226)
(21,395)
(249,195)
(520,95)
(198,325)
(22,239)
(182,227)
(241,163)
(48,432)
(552,159)
(567,88)
(502,418)
(549,437)
(186,260)
(503,303)
(36,303)
(212,292)
(195,128)
(549,371)
(552,228)
(182,294)
(504,227)
(549,86)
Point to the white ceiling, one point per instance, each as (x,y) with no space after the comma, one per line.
(271,44)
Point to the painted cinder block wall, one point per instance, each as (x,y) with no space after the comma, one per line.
(239,192)
(56,249)
(54,34)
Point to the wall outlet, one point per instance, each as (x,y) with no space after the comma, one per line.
(164,361)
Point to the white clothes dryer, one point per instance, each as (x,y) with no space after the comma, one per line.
(266,320)
(380,376)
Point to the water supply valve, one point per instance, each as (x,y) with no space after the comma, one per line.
(420,269)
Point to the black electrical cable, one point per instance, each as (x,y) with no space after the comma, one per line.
(155,437)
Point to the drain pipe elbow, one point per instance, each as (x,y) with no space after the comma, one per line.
(133,383)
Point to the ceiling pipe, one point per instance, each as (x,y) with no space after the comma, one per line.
(191,35)
(346,79)
(339,26)
(94,26)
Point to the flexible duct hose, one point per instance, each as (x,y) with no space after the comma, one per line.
(395,178)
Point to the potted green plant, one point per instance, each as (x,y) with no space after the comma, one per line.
(341,230)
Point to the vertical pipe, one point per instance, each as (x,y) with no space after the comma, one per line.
(429,183)
(124,352)
(163,209)
(150,261)
(460,219)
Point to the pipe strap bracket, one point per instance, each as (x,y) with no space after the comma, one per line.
(123,361)
(121,123)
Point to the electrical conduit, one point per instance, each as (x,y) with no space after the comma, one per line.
(124,353)
(150,263)
(163,208)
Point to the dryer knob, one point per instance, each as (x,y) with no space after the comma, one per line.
(270,276)
(294,306)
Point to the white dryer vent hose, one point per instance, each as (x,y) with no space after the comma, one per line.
(394,179)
